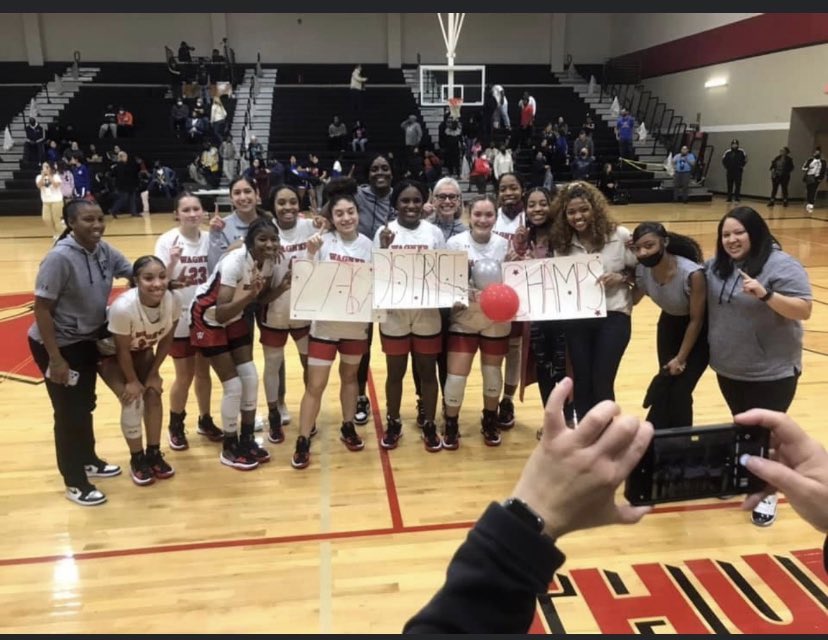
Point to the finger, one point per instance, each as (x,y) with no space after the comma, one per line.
(628,514)
(783,428)
(635,451)
(753,500)
(791,483)
(744,275)
(553,418)
(598,418)
(618,436)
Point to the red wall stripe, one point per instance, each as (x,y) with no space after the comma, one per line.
(755,36)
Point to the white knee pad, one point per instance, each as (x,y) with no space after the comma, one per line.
(131,416)
(454,390)
(513,363)
(273,357)
(492,380)
(231,404)
(250,385)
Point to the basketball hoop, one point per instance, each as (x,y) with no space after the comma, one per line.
(454,107)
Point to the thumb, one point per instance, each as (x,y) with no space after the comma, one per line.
(553,418)
(628,514)
(778,475)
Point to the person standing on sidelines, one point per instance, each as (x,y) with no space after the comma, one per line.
(185,250)
(72,289)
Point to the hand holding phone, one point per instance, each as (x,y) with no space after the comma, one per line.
(691,463)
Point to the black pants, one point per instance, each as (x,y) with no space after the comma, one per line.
(734,185)
(780,181)
(365,363)
(73,407)
(674,407)
(548,344)
(124,199)
(811,190)
(595,348)
(356,103)
(775,395)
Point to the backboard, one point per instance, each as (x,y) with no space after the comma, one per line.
(439,81)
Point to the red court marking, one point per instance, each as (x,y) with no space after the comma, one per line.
(711,506)
(387,471)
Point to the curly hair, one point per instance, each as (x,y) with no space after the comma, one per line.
(603,225)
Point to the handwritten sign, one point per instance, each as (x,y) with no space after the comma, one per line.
(558,288)
(405,279)
(331,291)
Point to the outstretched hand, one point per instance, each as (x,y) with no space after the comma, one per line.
(572,476)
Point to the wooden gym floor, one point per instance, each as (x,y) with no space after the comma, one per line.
(359,541)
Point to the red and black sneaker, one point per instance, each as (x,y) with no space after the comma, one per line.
(159,467)
(393,433)
(234,455)
(140,471)
(206,427)
(276,434)
(489,429)
(249,445)
(506,414)
(301,455)
(348,435)
(451,434)
(431,439)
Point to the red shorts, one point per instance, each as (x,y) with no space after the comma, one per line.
(212,341)
(278,337)
(182,348)
(469,343)
(403,345)
(327,349)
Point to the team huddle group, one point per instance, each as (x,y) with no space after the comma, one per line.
(204,293)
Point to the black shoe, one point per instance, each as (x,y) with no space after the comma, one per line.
(431,441)
(177,436)
(506,414)
(140,470)
(421,416)
(349,436)
(206,427)
(159,467)
(276,434)
(451,434)
(771,202)
(393,433)
(251,448)
(301,455)
(489,429)
(101,469)
(363,410)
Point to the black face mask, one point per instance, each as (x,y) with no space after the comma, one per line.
(651,260)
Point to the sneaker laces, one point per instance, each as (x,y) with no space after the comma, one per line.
(349,433)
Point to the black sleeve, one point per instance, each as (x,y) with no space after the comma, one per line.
(493,580)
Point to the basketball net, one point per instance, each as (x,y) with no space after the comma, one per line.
(451,34)
(454,107)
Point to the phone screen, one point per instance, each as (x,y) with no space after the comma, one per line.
(692,463)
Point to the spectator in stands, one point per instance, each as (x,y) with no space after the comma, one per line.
(357,90)
(359,136)
(413,133)
(734,161)
(164,182)
(80,175)
(72,150)
(110,122)
(52,154)
(452,146)
(500,116)
(414,165)
(199,110)
(539,169)
(562,127)
(113,155)
(589,125)
(126,184)
(528,108)
(683,162)
(549,134)
(93,155)
(781,168)
(67,181)
(254,150)
(125,123)
(227,151)
(184,52)
(51,199)
(179,114)
(337,135)
(143,183)
(277,173)
(608,183)
(33,150)
(203,80)
(432,168)
(624,131)
(560,151)
(503,162)
(259,173)
(210,165)
(197,128)
(583,141)
(481,172)
(581,165)
(218,119)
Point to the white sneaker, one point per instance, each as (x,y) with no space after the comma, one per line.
(88,498)
(809,208)
(283,411)
(261,423)
(764,514)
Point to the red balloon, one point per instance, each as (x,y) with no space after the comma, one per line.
(499,302)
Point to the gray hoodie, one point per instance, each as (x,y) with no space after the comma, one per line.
(749,341)
(449,228)
(374,211)
(80,283)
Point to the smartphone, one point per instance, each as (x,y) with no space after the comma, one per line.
(690,463)
(73,376)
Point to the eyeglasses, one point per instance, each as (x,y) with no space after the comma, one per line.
(447,196)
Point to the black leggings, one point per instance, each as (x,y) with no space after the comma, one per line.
(365,363)
(775,395)
(548,344)
(780,181)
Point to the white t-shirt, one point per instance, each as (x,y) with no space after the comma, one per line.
(191,268)
(424,236)
(294,245)
(145,325)
(506,228)
(233,270)
(52,193)
(495,249)
(335,249)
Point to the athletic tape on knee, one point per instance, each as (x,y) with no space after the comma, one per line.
(512,364)
(454,390)
(250,385)
(492,380)
(231,404)
(273,357)
(131,416)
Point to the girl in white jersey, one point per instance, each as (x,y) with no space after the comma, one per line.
(510,218)
(185,251)
(350,339)
(470,329)
(219,330)
(274,309)
(414,331)
(142,322)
